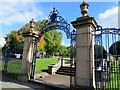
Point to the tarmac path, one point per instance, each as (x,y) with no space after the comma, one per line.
(10,84)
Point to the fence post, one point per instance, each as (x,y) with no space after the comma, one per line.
(85,49)
(61,62)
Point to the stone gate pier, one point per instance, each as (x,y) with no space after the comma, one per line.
(29,38)
(85,48)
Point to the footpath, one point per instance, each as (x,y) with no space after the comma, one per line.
(55,81)
(10,84)
(48,82)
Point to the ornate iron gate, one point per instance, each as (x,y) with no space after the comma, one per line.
(107,58)
(55,21)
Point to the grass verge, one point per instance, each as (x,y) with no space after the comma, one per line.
(42,64)
(14,66)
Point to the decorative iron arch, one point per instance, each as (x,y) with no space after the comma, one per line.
(55,21)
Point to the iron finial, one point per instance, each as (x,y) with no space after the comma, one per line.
(54,9)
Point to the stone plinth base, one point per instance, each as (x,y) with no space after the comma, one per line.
(23,78)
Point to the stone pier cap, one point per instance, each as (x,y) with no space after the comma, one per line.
(30,33)
(84,21)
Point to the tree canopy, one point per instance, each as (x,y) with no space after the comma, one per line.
(14,43)
(65,51)
(53,41)
(115,48)
(50,42)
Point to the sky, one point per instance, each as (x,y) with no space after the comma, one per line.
(15,14)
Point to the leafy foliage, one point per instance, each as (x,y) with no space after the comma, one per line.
(99,52)
(115,48)
(24,29)
(53,42)
(41,44)
(65,51)
(50,42)
(14,43)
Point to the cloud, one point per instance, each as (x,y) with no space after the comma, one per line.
(17,0)
(65,42)
(109,18)
(19,12)
(2,41)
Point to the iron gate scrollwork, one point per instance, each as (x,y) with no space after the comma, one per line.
(107,58)
(55,21)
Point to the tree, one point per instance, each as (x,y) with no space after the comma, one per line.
(99,52)
(40,45)
(115,48)
(23,29)
(52,42)
(63,51)
(14,43)
(49,42)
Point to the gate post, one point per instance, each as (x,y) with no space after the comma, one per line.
(29,38)
(85,49)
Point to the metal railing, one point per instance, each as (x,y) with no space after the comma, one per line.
(107,62)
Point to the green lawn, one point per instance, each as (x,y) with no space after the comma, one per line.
(14,66)
(42,64)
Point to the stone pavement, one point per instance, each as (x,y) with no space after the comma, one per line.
(56,80)
(43,81)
